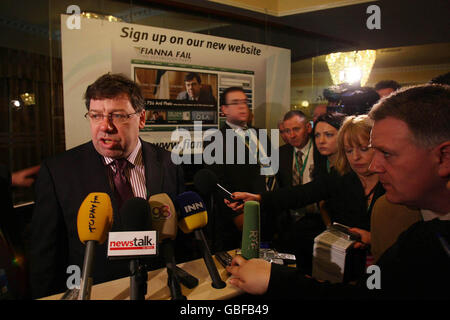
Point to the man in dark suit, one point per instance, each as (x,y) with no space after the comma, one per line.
(296,166)
(6,214)
(195,92)
(13,235)
(115,113)
(239,176)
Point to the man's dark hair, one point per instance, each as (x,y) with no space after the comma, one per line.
(223,96)
(191,75)
(384,84)
(424,108)
(441,79)
(292,113)
(334,119)
(110,86)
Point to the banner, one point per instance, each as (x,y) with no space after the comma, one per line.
(170,65)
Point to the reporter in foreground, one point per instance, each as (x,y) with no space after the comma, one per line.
(411,141)
(347,193)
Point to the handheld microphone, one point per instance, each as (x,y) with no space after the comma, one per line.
(251,230)
(205,181)
(193,217)
(135,216)
(164,220)
(94,220)
(163,216)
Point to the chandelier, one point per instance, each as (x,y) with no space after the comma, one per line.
(28,99)
(351,67)
(93,15)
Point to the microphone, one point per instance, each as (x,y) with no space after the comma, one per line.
(251,230)
(165,222)
(135,216)
(205,181)
(163,216)
(94,220)
(193,217)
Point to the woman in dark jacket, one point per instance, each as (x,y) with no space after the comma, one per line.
(349,192)
(325,145)
(325,151)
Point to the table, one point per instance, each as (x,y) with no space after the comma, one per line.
(157,288)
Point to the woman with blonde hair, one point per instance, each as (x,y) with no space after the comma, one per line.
(349,191)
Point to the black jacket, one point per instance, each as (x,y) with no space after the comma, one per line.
(237,177)
(344,195)
(63,183)
(414,267)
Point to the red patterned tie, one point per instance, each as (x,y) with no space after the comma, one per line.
(123,186)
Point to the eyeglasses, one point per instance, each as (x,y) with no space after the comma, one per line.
(114,117)
(237,102)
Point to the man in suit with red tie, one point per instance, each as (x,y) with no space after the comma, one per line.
(116,161)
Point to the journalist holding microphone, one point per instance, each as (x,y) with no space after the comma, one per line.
(349,192)
(410,140)
(116,162)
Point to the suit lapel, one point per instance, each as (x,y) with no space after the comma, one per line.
(94,166)
(152,164)
(286,163)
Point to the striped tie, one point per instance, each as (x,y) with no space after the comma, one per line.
(123,186)
(270,181)
(296,178)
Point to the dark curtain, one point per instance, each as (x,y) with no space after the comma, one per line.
(30,133)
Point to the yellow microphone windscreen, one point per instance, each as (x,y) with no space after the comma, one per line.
(95,217)
(192,214)
(191,223)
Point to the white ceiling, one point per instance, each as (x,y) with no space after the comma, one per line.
(412,32)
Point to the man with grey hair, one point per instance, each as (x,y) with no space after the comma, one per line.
(298,226)
(411,138)
(296,157)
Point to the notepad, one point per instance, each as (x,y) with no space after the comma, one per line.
(329,255)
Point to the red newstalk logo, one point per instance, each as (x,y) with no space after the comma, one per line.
(135,244)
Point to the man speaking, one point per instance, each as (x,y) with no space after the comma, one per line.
(195,91)
(115,162)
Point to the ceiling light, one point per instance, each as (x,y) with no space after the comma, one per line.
(351,67)
(28,99)
(93,15)
(15,104)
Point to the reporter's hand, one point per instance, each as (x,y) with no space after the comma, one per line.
(252,275)
(235,206)
(365,237)
(244,196)
(24,177)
